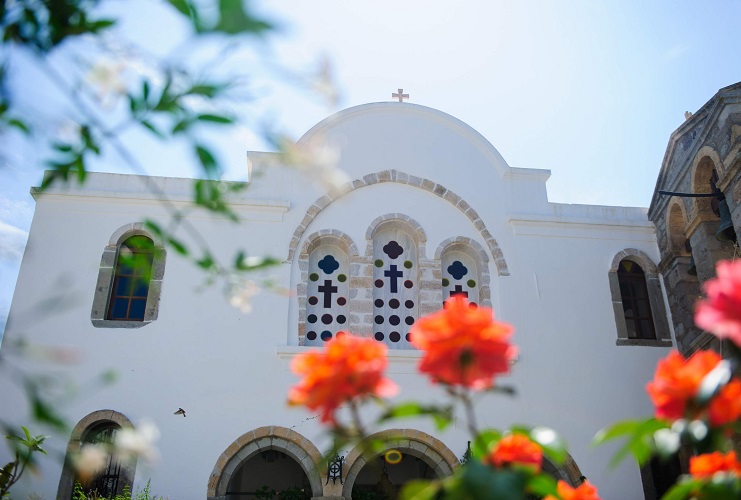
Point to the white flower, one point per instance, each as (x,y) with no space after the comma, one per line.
(90,460)
(317,158)
(667,441)
(69,132)
(106,78)
(139,442)
(241,293)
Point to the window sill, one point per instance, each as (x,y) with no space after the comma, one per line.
(289,351)
(644,342)
(109,323)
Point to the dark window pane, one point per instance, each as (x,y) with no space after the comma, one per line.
(631,328)
(643,308)
(120,306)
(137,309)
(123,286)
(141,287)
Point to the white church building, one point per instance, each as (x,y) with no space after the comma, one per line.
(432,209)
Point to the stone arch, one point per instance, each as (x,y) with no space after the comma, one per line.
(88,422)
(567,471)
(676,225)
(639,257)
(475,250)
(410,180)
(706,160)
(416,443)
(655,297)
(416,231)
(134,229)
(107,270)
(266,438)
(332,236)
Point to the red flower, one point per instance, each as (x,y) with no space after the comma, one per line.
(720,313)
(726,405)
(350,368)
(705,466)
(677,381)
(463,345)
(516,449)
(586,491)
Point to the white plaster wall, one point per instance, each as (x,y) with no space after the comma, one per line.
(231,371)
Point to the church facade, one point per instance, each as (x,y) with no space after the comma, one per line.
(431,209)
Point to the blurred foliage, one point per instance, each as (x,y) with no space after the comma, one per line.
(25,448)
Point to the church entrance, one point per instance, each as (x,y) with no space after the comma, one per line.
(383,476)
(269,474)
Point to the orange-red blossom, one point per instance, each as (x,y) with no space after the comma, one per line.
(705,466)
(677,381)
(720,313)
(516,449)
(350,368)
(585,491)
(462,345)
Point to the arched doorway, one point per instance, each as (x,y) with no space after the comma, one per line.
(381,478)
(268,462)
(269,474)
(408,454)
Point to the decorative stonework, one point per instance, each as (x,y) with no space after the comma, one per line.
(412,442)
(128,468)
(476,252)
(411,180)
(107,269)
(655,296)
(261,439)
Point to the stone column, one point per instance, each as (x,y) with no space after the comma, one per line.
(707,250)
(682,290)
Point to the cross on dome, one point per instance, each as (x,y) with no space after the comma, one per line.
(400,95)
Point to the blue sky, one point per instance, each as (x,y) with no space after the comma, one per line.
(589,90)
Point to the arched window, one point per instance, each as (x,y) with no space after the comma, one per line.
(636,306)
(131,281)
(328,293)
(127,294)
(98,427)
(638,300)
(395,283)
(105,484)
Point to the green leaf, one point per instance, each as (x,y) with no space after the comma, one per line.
(206,262)
(419,489)
(551,442)
(20,125)
(28,434)
(208,162)
(182,125)
(178,246)
(441,415)
(145,90)
(233,19)
(208,90)
(225,120)
(154,227)
(148,125)
(638,438)
(682,490)
(542,484)
(483,442)
(480,481)
(244,263)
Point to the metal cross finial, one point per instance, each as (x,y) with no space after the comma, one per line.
(401,95)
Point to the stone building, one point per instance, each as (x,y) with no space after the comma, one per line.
(703,156)
(431,209)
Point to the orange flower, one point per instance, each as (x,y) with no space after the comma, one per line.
(463,345)
(677,381)
(586,491)
(720,313)
(705,466)
(350,368)
(726,405)
(516,449)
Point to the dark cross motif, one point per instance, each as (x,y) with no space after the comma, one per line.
(401,95)
(459,291)
(327,289)
(394,274)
